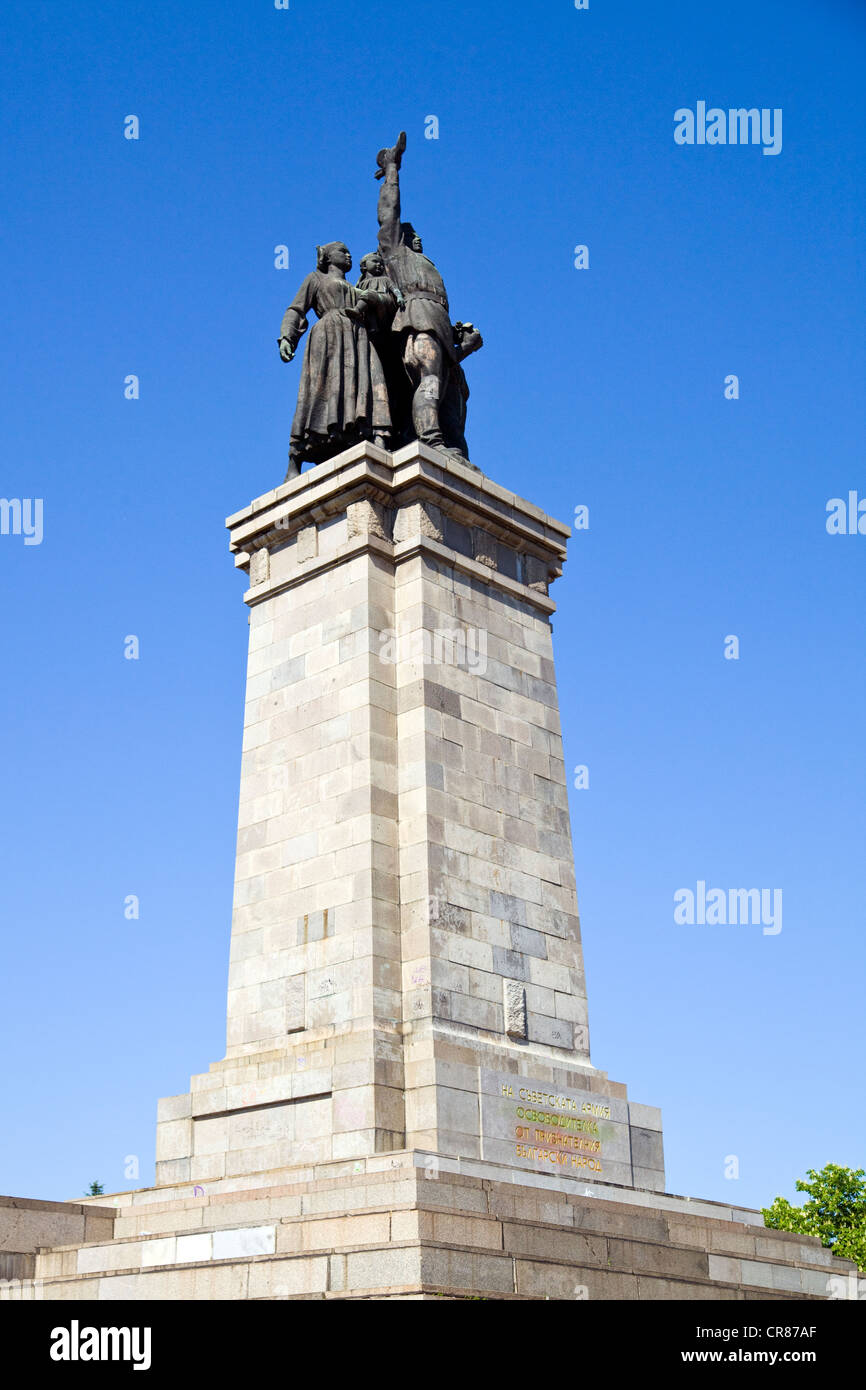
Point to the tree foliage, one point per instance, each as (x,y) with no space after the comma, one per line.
(835,1213)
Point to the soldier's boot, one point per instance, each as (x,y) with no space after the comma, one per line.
(425,413)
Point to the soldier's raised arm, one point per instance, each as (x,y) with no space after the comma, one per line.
(388,161)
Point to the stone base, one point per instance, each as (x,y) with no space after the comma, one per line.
(414,1225)
(27,1225)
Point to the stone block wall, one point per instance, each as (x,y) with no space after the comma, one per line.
(405,910)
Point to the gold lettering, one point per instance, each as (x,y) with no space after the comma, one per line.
(592,1108)
(566,1141)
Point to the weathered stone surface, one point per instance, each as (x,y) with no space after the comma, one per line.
(26,1224)
(514,994)
(260,567)
(365,519)
(399,1226)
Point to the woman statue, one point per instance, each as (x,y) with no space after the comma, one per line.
(342,397)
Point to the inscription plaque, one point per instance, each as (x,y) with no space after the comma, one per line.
(550,1129)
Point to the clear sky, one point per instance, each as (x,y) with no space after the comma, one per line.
(602,387)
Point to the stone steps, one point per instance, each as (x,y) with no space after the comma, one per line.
(406,1233)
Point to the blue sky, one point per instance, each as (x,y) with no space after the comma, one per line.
(601,387)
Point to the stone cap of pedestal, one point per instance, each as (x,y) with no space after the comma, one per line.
(426,1164)
(392,482)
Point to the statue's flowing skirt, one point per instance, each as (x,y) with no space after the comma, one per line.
(342,391)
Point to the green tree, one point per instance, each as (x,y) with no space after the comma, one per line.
(95,1190)
(836,1213)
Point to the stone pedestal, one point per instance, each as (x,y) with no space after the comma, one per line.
(407,1107)
(410,1226)
(406,969)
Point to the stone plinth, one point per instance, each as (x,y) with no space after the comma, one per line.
(405,938)
(419,1226)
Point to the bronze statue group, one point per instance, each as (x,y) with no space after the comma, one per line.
(383,357)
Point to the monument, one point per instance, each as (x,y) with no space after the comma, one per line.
(383,359)
(407,1107)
